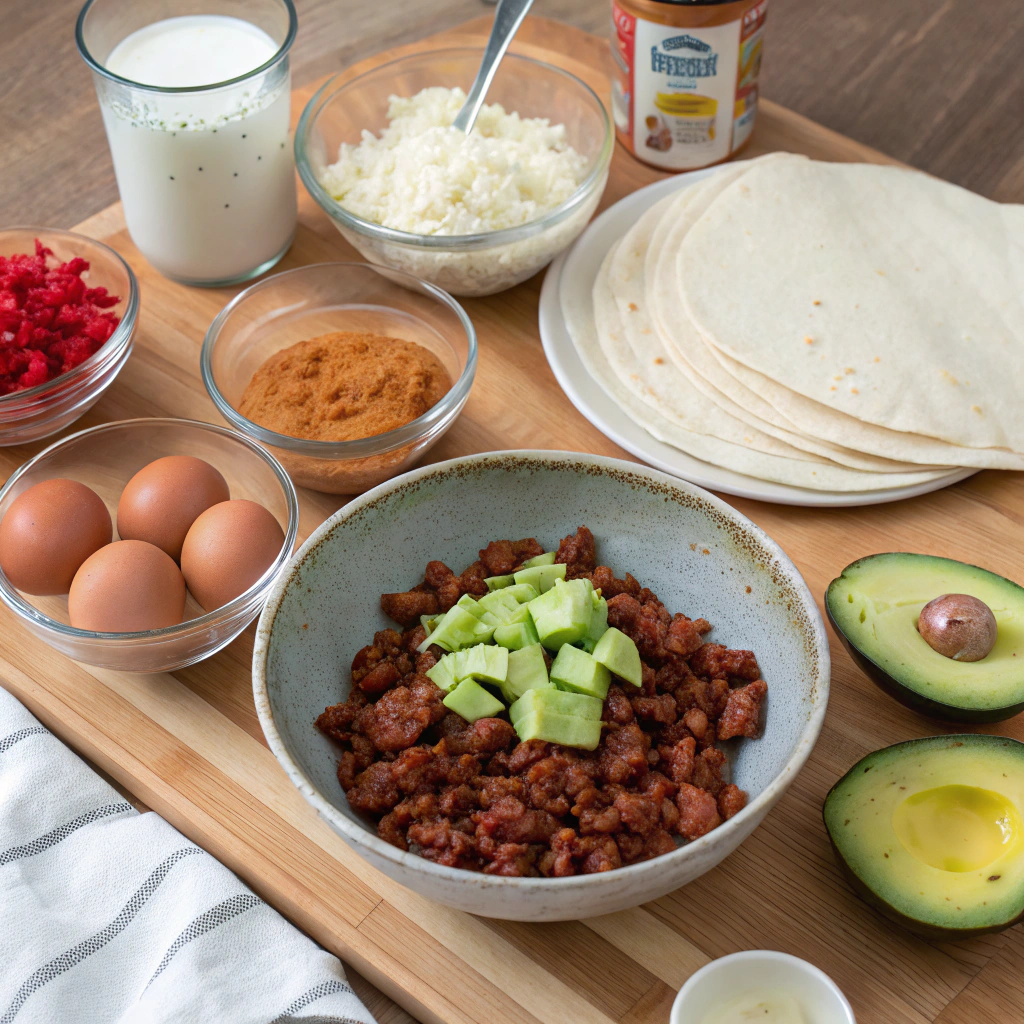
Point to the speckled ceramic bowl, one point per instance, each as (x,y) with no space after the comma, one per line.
(699,555)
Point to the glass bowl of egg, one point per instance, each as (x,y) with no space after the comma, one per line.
(144,545)
(347,372)
(473,214)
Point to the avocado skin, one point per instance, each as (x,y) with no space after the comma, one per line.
(911,698)
(911,924)
(873,900)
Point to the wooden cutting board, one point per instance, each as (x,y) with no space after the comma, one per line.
(189,744)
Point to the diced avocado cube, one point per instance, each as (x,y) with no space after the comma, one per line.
(562,702)
(618,653)
(429,622)
(576,670)
(484,661)
(527,670)
(457,629)
(598,623)
(521,614)
(500,604)
(555,728)
(470,700)
(443,673)
(523,592)
(541,576)
(548,558)
(562,614)
(498,582)
(516,635)
(471,605)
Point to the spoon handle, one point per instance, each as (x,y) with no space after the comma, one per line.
(507,18)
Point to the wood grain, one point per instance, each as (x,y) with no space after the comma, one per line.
(189,745)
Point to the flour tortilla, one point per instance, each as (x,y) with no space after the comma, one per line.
(912,289)
(579,313)
(804,414)
(637,291)
(636,355)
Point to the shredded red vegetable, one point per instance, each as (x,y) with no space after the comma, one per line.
(50,322)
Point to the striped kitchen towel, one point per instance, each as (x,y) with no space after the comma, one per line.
(108,915)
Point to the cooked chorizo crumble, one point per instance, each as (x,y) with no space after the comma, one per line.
(472,796)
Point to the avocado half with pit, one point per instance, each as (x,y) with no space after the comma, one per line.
(930,833)
(874,607)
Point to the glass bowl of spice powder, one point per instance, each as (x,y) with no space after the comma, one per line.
(347,372)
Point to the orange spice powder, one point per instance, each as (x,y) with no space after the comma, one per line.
(344,386)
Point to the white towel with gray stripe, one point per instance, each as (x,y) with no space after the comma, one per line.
(108,915)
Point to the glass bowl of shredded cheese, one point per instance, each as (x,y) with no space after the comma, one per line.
(473,214)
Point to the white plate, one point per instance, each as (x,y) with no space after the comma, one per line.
(597,406)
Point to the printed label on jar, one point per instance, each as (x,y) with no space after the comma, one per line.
(686,98)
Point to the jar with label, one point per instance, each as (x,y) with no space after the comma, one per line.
(685,95)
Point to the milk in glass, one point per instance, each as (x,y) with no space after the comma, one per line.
(206,176)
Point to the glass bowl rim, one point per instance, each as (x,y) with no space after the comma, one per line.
(363,447)
(279,54)
(191,627)
(116,341)
(478,240)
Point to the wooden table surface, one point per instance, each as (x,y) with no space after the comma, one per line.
(934,84)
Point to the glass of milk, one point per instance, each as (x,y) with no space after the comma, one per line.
(196,98)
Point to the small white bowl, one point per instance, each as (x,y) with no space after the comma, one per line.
(761,970)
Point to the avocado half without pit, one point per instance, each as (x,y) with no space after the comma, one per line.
(929,832)
(942,637)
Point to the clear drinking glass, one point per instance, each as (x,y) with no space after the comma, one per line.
(206,173)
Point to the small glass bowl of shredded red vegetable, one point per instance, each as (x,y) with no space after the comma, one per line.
(68,306)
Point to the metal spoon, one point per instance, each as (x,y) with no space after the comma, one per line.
(507,18)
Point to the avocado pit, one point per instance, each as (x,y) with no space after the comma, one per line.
(958,626)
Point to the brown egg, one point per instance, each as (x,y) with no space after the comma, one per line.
(48,532)
(165,498)
(127,587)
(229,547)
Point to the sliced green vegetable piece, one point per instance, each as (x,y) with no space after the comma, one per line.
(562,702)
(458,628)
(548,558)
(562,614)
(527,670)
(498,582)
(429,622)
(516,635)
(470,700)
(521,614)
(443,673)
(618,653)
(576,670)
(541,576)
(484,661)
(523,592)
(598,623)
(471,605)
(500,604)
(555,728)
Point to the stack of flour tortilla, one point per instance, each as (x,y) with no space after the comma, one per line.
(839,327)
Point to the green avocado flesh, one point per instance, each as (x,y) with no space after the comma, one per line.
(930,832)
(576,670)
(527,670)
(501,638)
(874,606)
(470,700)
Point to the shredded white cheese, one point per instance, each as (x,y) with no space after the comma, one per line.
(425,177)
